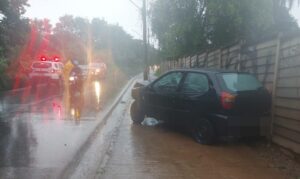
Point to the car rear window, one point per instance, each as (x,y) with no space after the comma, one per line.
(239,82)
(41,65)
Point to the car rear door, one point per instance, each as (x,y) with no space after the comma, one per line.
(196,97)
(160,94)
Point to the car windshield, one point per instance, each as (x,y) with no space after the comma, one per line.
(237,82)
(41,65)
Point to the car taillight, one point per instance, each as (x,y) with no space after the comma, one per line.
(227,100)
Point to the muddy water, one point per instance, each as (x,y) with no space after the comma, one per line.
(161,152)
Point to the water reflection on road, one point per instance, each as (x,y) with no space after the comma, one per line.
(38,139)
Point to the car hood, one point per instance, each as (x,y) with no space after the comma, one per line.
(141,83)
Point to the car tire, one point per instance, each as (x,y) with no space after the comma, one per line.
(203,132)
(137,115)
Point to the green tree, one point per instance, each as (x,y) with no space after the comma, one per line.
(184,27)
(11,43)
(174,24)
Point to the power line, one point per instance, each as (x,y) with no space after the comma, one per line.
(135,4)
(143,10)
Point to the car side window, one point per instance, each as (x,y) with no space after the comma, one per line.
(195,83)
(168,83)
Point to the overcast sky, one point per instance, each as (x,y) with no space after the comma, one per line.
(120,12)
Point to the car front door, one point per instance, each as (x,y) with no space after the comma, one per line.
(160,94)
(195,97)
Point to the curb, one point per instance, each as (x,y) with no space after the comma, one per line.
(70,168)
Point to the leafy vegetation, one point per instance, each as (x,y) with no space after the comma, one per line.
(11,12)
(184,27)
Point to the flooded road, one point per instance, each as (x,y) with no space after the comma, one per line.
(38,136)
(42,141)
(161,152)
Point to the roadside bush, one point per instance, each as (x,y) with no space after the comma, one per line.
(5,82)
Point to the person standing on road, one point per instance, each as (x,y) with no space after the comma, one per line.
(76,89)
(66,75)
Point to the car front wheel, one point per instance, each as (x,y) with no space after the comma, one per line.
(137,114)
(203,132)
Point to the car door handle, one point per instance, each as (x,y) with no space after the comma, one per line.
(192,96)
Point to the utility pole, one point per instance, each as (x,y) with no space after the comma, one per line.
(144,18)
(144,14)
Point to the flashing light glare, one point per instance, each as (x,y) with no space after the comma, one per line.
(56,59)
(43,58)
(73,112)
(71,78)
(97,90)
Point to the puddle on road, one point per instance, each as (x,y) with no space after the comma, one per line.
(151,122)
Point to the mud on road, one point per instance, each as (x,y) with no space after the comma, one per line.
(162,152)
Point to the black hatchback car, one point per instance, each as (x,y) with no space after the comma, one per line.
(211,103)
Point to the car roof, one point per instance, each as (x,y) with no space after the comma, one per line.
(206,70)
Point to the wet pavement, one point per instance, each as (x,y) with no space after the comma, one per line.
(40,141)
(38,137)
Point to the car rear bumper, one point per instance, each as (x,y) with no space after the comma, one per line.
(43,79)
(237,126)
(50,77)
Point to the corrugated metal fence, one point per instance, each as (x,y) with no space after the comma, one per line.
(276,63)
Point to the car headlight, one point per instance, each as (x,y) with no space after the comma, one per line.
(71,78)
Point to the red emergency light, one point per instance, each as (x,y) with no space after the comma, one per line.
(56,59)
(43,58)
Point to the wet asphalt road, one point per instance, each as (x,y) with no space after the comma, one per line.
(39,142)
(38,137)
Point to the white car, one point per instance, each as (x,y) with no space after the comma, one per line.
(46,72)
(98,70)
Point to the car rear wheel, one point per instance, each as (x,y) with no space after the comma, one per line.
(203,132)
(137,115)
